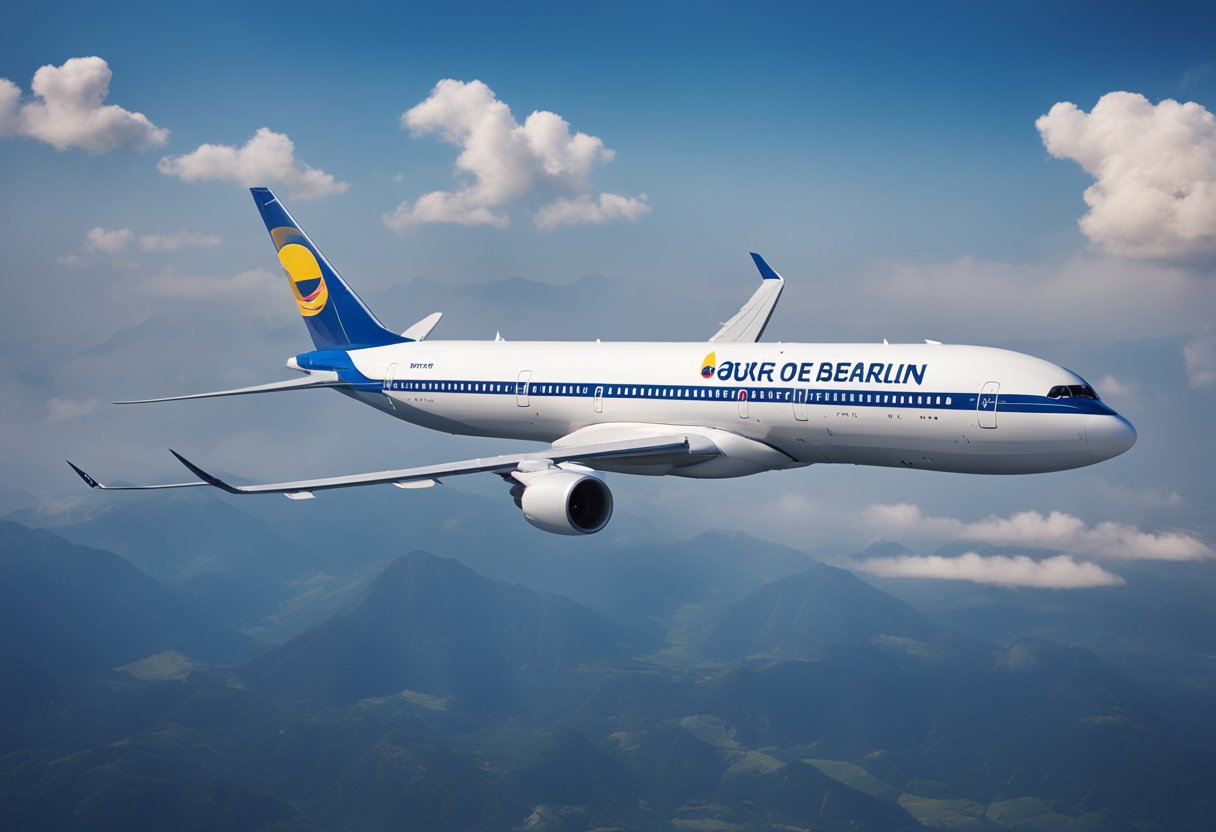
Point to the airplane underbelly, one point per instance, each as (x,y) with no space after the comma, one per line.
(1023,444)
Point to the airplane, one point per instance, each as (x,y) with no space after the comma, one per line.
(729,407)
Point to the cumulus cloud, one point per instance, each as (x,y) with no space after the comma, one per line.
(585,209)
(109,242)
(1109,385)
(10,108)
(67,110)
(177,241)
(1056,530)
(1200,358)
(63,409)
(117,241)
(1061,572)
(508,162)
(266,159)
(1154,170)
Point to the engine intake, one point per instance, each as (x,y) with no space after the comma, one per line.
(563,502)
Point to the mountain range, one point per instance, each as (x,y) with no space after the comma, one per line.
(690,687)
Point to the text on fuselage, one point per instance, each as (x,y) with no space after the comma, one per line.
(876,372)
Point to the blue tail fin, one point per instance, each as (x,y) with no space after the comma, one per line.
(333,313)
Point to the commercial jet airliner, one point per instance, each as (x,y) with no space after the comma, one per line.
(728,407)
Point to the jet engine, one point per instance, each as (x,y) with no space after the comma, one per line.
(563,502)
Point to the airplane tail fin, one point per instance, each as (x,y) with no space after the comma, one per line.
(333,313)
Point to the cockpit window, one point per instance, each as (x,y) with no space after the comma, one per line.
(1072,391)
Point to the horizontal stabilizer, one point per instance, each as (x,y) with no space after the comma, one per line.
(316,378)
(423,328)
(748,324)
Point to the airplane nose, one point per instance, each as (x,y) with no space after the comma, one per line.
(1108,436)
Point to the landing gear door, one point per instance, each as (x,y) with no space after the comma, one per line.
(987,404)
(521,388)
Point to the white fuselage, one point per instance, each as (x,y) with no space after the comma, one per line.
(929,406)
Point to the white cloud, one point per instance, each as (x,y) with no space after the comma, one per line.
(63,409)
(508,162)
(585,209)
(1109,385)
(109,242)
(117,241)
(1083,296)
(10,108)
(254,284)
(1056,530)
(1154,167)
(177,241)
(1121,498)
(266,159)
(1060,572)
(67,110)
(1200,358)
(72,261)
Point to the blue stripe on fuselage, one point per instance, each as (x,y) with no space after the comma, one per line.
(763,395)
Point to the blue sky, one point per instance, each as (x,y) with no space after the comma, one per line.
(884,157)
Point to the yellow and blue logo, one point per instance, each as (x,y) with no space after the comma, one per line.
(307,282)
(709,365)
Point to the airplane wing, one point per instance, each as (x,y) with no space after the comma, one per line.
(315,378)
(749,322)
(680,445)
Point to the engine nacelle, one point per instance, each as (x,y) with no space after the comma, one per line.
(564,502)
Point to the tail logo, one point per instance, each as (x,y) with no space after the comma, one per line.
(307,282)
(708,365)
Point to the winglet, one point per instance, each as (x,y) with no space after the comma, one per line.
(89,481)
(210,479)
(766,271)
(747,325)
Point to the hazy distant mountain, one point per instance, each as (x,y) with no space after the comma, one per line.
(73,609)
(118,788)
(434,626)
(227,560)
(1114,619)
(644,585)
(801,616)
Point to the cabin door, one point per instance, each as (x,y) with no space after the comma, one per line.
(389,377)
(521,388)
(597,404)
(742,404)
(987,404)
(800,404)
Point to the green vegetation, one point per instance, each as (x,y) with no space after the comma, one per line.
(854,775)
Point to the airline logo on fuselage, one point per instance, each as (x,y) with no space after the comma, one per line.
(805,372)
